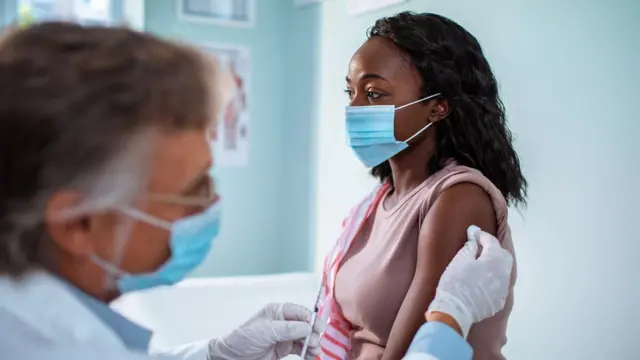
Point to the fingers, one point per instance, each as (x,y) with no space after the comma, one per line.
(297,348)
(469,251)
(494,252)
(290,330)
(314,344)
(294,312)
(491,247)
(312,351)
(486,240)
(472,232)
(314,340)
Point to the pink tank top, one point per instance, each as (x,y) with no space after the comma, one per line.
(378,269)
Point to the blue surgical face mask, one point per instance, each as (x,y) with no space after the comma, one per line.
(190,241)
(370,132)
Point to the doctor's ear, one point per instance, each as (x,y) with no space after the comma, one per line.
(438,110)
(72,233)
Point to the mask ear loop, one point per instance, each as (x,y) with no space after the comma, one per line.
(113,272)
(418,101)
(418,133)
(412,103)
(146,218)
(123,233)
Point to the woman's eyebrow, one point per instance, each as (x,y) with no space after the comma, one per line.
(367,76)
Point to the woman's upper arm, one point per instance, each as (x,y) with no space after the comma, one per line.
(443,233)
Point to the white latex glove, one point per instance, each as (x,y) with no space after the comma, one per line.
(278,330)
(473,287)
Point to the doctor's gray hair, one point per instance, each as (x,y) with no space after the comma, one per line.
(79,108)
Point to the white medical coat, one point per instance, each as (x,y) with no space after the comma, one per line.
(39,313)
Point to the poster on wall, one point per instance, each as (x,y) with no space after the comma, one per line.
(357,7)
(230,140)
(237,13)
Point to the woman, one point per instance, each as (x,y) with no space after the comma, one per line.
(105,188)
(438,142)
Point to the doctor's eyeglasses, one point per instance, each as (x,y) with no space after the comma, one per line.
(201,194)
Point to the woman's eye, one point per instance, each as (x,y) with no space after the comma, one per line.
(349,93)
(373,95)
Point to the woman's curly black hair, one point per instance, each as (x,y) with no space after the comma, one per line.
(475,133)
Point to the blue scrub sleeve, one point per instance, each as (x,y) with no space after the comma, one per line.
(440,341)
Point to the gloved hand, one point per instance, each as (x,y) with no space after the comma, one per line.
(276,331)
(473,287)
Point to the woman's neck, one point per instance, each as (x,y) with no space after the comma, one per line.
(407,179)
(409,169)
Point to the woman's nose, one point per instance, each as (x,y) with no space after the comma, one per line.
(358,100)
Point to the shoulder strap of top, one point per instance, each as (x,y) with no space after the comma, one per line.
(335,342)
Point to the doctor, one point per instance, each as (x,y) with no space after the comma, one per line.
(106,189)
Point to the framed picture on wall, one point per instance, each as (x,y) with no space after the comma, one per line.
(93,12)
(236,13)
(230,140)
(41,10)
(357,7)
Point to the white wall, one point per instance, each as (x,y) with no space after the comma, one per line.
(570,78)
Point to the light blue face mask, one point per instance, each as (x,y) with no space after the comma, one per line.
(370,132)
(190,240)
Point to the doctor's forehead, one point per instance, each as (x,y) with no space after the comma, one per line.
(180,159)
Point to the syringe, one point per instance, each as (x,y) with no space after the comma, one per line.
(314,318)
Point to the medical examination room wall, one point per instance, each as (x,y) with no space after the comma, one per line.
(268,211)
(7,9)
(571,84)
(266,218)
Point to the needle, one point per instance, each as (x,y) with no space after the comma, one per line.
(314,318)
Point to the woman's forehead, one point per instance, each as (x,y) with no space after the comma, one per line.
(381,57)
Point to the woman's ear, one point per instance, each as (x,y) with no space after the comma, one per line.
(439,110)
